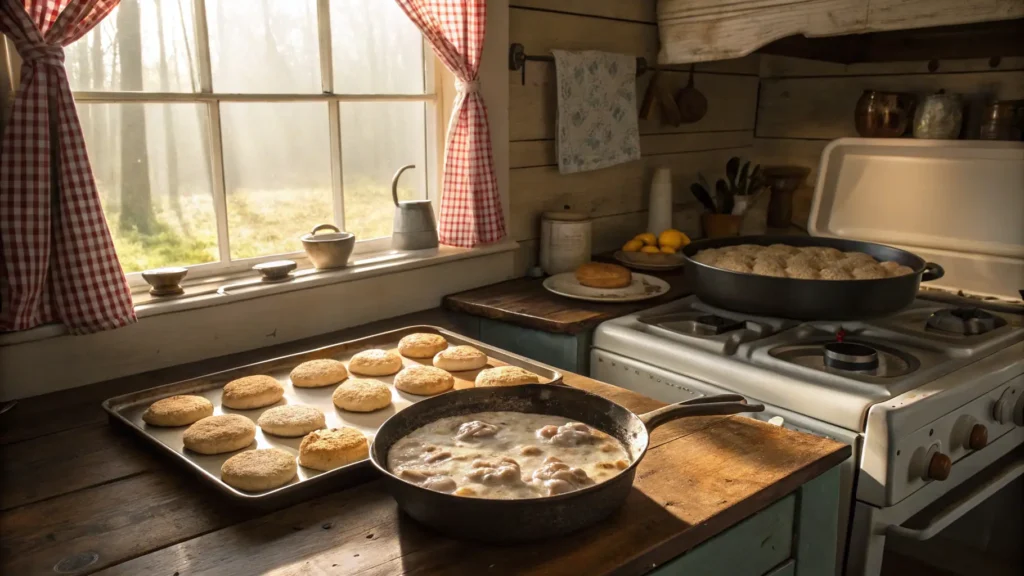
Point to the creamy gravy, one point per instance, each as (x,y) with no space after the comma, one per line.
(507,455)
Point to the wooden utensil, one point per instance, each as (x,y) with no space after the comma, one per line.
(647,105)
(669,111)
(691,104)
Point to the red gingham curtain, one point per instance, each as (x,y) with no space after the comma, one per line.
(470,204)
(57,262)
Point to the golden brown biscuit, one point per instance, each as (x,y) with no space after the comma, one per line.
(290,421)
(603,275)
(251,392)
(258,470)
(458,358)
(330,448)
(361,395)
(317,373)
(505,376)
(375,363)
(424,380)
(177,411)
(219,434)
(421,345)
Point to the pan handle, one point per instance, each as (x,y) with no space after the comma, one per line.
(932,271)
(720,405)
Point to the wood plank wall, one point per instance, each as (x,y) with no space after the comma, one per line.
(615,197)
(804,104)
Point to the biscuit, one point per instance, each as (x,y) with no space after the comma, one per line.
(258,470)
(603,275)
(375,363)
(505,376)
(219,434)
(291,421)
(330,448)
(424,380)
(458,358)
(421,345)
(317,373)
(251,392)
(177,411)
(361,395)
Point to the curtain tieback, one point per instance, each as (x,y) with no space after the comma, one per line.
(52,54)
(467,87)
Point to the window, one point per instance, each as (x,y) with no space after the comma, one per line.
(220,131)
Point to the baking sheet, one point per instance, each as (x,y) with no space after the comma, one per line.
(129,408)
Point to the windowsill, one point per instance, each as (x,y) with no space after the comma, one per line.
(247,285)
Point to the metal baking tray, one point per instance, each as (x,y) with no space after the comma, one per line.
(128,409)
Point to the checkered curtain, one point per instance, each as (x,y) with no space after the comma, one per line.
(470,204)
(57,260)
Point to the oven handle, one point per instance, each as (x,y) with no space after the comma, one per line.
(962,505)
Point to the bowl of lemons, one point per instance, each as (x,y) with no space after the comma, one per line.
(648,251)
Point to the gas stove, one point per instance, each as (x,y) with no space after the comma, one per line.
(931,392)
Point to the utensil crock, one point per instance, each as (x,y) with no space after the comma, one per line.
(328,250)
(413,227)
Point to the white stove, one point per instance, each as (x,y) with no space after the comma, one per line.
(931,399)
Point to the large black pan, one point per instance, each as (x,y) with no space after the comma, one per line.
(807,299)
(507,521)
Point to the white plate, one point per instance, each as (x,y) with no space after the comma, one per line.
(643,287)
(657,262)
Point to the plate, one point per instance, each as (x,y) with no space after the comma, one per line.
(658,262)
(643,287)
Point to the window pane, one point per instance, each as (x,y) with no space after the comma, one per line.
(141,45)
(277,167)
(265,46)
(377,49)
(152,168)
(377,138)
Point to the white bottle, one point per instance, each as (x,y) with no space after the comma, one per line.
(659,218)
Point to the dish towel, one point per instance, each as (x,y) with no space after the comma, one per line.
(597,115)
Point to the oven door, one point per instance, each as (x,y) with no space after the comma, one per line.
(974,520)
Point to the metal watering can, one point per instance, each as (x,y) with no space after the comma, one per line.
(414,227)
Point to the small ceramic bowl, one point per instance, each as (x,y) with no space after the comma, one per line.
(165,281)
(275,271)
(328,250)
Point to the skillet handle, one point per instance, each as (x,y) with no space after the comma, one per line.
(721,405)
(932,271)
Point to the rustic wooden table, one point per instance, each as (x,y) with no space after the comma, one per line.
(81,497)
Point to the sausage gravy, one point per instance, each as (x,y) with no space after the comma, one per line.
(507,455)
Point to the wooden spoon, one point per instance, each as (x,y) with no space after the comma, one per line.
(692,105)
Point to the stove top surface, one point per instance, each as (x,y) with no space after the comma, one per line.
(843,364)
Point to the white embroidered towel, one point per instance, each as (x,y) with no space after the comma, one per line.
(597,116)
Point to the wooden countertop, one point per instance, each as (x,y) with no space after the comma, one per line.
(82,497)
(525,301)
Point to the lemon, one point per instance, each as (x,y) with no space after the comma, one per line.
(632,246)
(650,250)
(673,238)
(668,250)
(647,238)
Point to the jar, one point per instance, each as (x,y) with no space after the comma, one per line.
(939,117)
(883,114)
(1003,120)
(564,241)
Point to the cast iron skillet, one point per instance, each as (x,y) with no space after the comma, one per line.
(507,521)
(807,299)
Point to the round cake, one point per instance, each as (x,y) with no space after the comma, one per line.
(318,373)
(219,434)
(603,275)
(251,392)
(291,421)
(505,376)
(424,380)
(421,345)
(361,395)
(375,363)
(459,358)
(258,470)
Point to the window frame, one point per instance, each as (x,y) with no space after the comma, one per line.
(434,80)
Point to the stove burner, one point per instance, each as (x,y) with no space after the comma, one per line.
(966,321)
(850,356)
(714,325)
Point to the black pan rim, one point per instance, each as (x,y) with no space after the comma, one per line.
(512,502)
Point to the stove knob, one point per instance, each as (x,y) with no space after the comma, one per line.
(1003,409)
(939,467)
(978,438)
